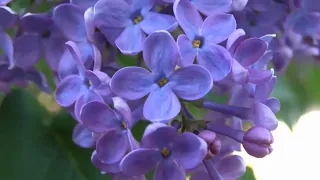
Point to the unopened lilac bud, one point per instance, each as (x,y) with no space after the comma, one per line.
(207,136)
(214,144)
(257,142)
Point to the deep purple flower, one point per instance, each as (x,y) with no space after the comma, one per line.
(50,42)
(263,17)
(257,142)
(127,24)
(163,83)
(170,153)
(209,7)
(202,37)
(83,86)
(114,126)
(16,63)
(246,53)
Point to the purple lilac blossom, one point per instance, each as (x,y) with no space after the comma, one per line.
(113,125)
(202,37)
(164,83)
(50,40)
(170,153)
(126,24)
(84,85)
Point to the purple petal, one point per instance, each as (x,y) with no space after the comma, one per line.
(160,53)
(8,17)
(70,20)
(140,161)
(131,40)
(217,28)
(217,60)
(200,175)
(69,90)
(111,147)
(189,150)
(121,106)
(268,38)
(188,18)
(89,23)
(112,13)
(155,21)
(36,22)
(239,73)
(310,5)
(191,82)
(97,58)
(169,170)
(98,117)
(132,83)
(6,45)
(263,90)
(234,36)
(209,7)
(231,167)
(4,2)
(110,168)
(97,78)
(111,34)
(27,50)
(84,4)
(187,51)
(133,143)
(83,100)
(54,51)
(158,135)
(144,5)
(82,136)
(264,117)
(165,101)
(37,77)
(76,55)
(250,51)
(259,76)
(273,104)
(67,65)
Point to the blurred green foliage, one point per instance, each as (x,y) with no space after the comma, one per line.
(37,145)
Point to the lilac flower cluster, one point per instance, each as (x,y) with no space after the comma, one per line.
(185,50)
(296,23)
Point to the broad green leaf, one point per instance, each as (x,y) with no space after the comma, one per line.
(36,147)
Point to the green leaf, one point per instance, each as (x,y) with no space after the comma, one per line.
(36,147)
(125,60)
(298,90)
(249,175)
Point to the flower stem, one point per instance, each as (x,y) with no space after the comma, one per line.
(212,171)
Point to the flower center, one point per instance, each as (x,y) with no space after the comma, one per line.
(46,34)
(198,42)
(137,19)
(162,82)
(165,152)
(124,124)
